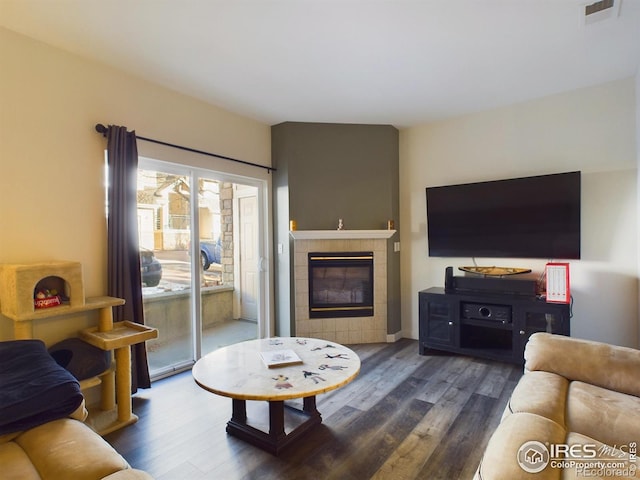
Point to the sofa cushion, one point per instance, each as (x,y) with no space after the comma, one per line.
(542,393)
(68,449)
(15,463)
(500,460)
(80,358)
(608,416)
(608,366)
(604,453)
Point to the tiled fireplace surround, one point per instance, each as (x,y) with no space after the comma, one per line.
(346,330)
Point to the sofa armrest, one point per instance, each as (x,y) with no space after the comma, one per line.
(503,457)
(81,413)
(607,366)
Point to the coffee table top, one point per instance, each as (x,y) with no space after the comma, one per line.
(238,371)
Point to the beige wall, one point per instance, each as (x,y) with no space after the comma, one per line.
(592,130)
(51,159)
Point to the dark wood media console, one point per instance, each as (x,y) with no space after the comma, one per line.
(488,325)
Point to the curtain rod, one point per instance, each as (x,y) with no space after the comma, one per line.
(103,130)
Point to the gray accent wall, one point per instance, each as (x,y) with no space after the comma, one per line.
(326,172)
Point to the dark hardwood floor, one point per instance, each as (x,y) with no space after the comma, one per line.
(404,417)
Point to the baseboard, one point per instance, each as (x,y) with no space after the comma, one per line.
(394,337)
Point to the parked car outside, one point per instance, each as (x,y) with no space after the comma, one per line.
(150,268)
(210,252)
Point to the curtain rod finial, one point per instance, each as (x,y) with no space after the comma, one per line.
(101,129)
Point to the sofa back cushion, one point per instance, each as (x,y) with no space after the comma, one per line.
(607,366)
(611,417)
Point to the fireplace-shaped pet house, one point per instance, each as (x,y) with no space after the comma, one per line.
(21,284)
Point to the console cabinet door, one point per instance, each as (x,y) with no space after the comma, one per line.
(437,321)
(548,318)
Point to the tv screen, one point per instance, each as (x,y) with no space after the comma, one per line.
(531,217)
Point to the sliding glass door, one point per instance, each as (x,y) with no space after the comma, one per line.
(200,258)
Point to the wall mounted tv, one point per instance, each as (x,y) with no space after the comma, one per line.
(531,217)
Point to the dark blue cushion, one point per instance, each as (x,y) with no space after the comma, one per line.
(34,389)
(80,358)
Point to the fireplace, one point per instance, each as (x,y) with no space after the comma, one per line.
(334,326)
(340,284)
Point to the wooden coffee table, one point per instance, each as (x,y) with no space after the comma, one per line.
(239,372)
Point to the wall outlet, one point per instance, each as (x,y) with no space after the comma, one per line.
(396,246)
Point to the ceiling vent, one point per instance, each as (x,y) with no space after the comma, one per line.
(598,7)
(600,11)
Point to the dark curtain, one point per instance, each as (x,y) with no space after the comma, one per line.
(123,256)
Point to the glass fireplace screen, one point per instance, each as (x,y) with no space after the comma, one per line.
(340,284)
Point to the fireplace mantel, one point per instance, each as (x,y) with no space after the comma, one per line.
(340,234)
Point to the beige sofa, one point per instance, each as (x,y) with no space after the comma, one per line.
(64,449)
(575,413)
(42,431)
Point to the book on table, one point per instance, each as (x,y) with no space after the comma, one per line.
(280,358)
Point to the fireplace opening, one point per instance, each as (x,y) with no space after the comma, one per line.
(340,284)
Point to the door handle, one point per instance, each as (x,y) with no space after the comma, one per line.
(262,264)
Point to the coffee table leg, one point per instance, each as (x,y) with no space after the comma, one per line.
(276,421)
(309,406)
(239,411)
(277,439)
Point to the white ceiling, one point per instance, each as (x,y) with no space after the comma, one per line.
(397,62)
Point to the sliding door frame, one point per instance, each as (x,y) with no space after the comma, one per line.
(265,327)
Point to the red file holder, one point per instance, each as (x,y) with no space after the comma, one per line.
(558,290)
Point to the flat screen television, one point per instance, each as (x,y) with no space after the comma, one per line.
(531,217)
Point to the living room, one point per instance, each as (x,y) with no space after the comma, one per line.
(53,94)
(52,188)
